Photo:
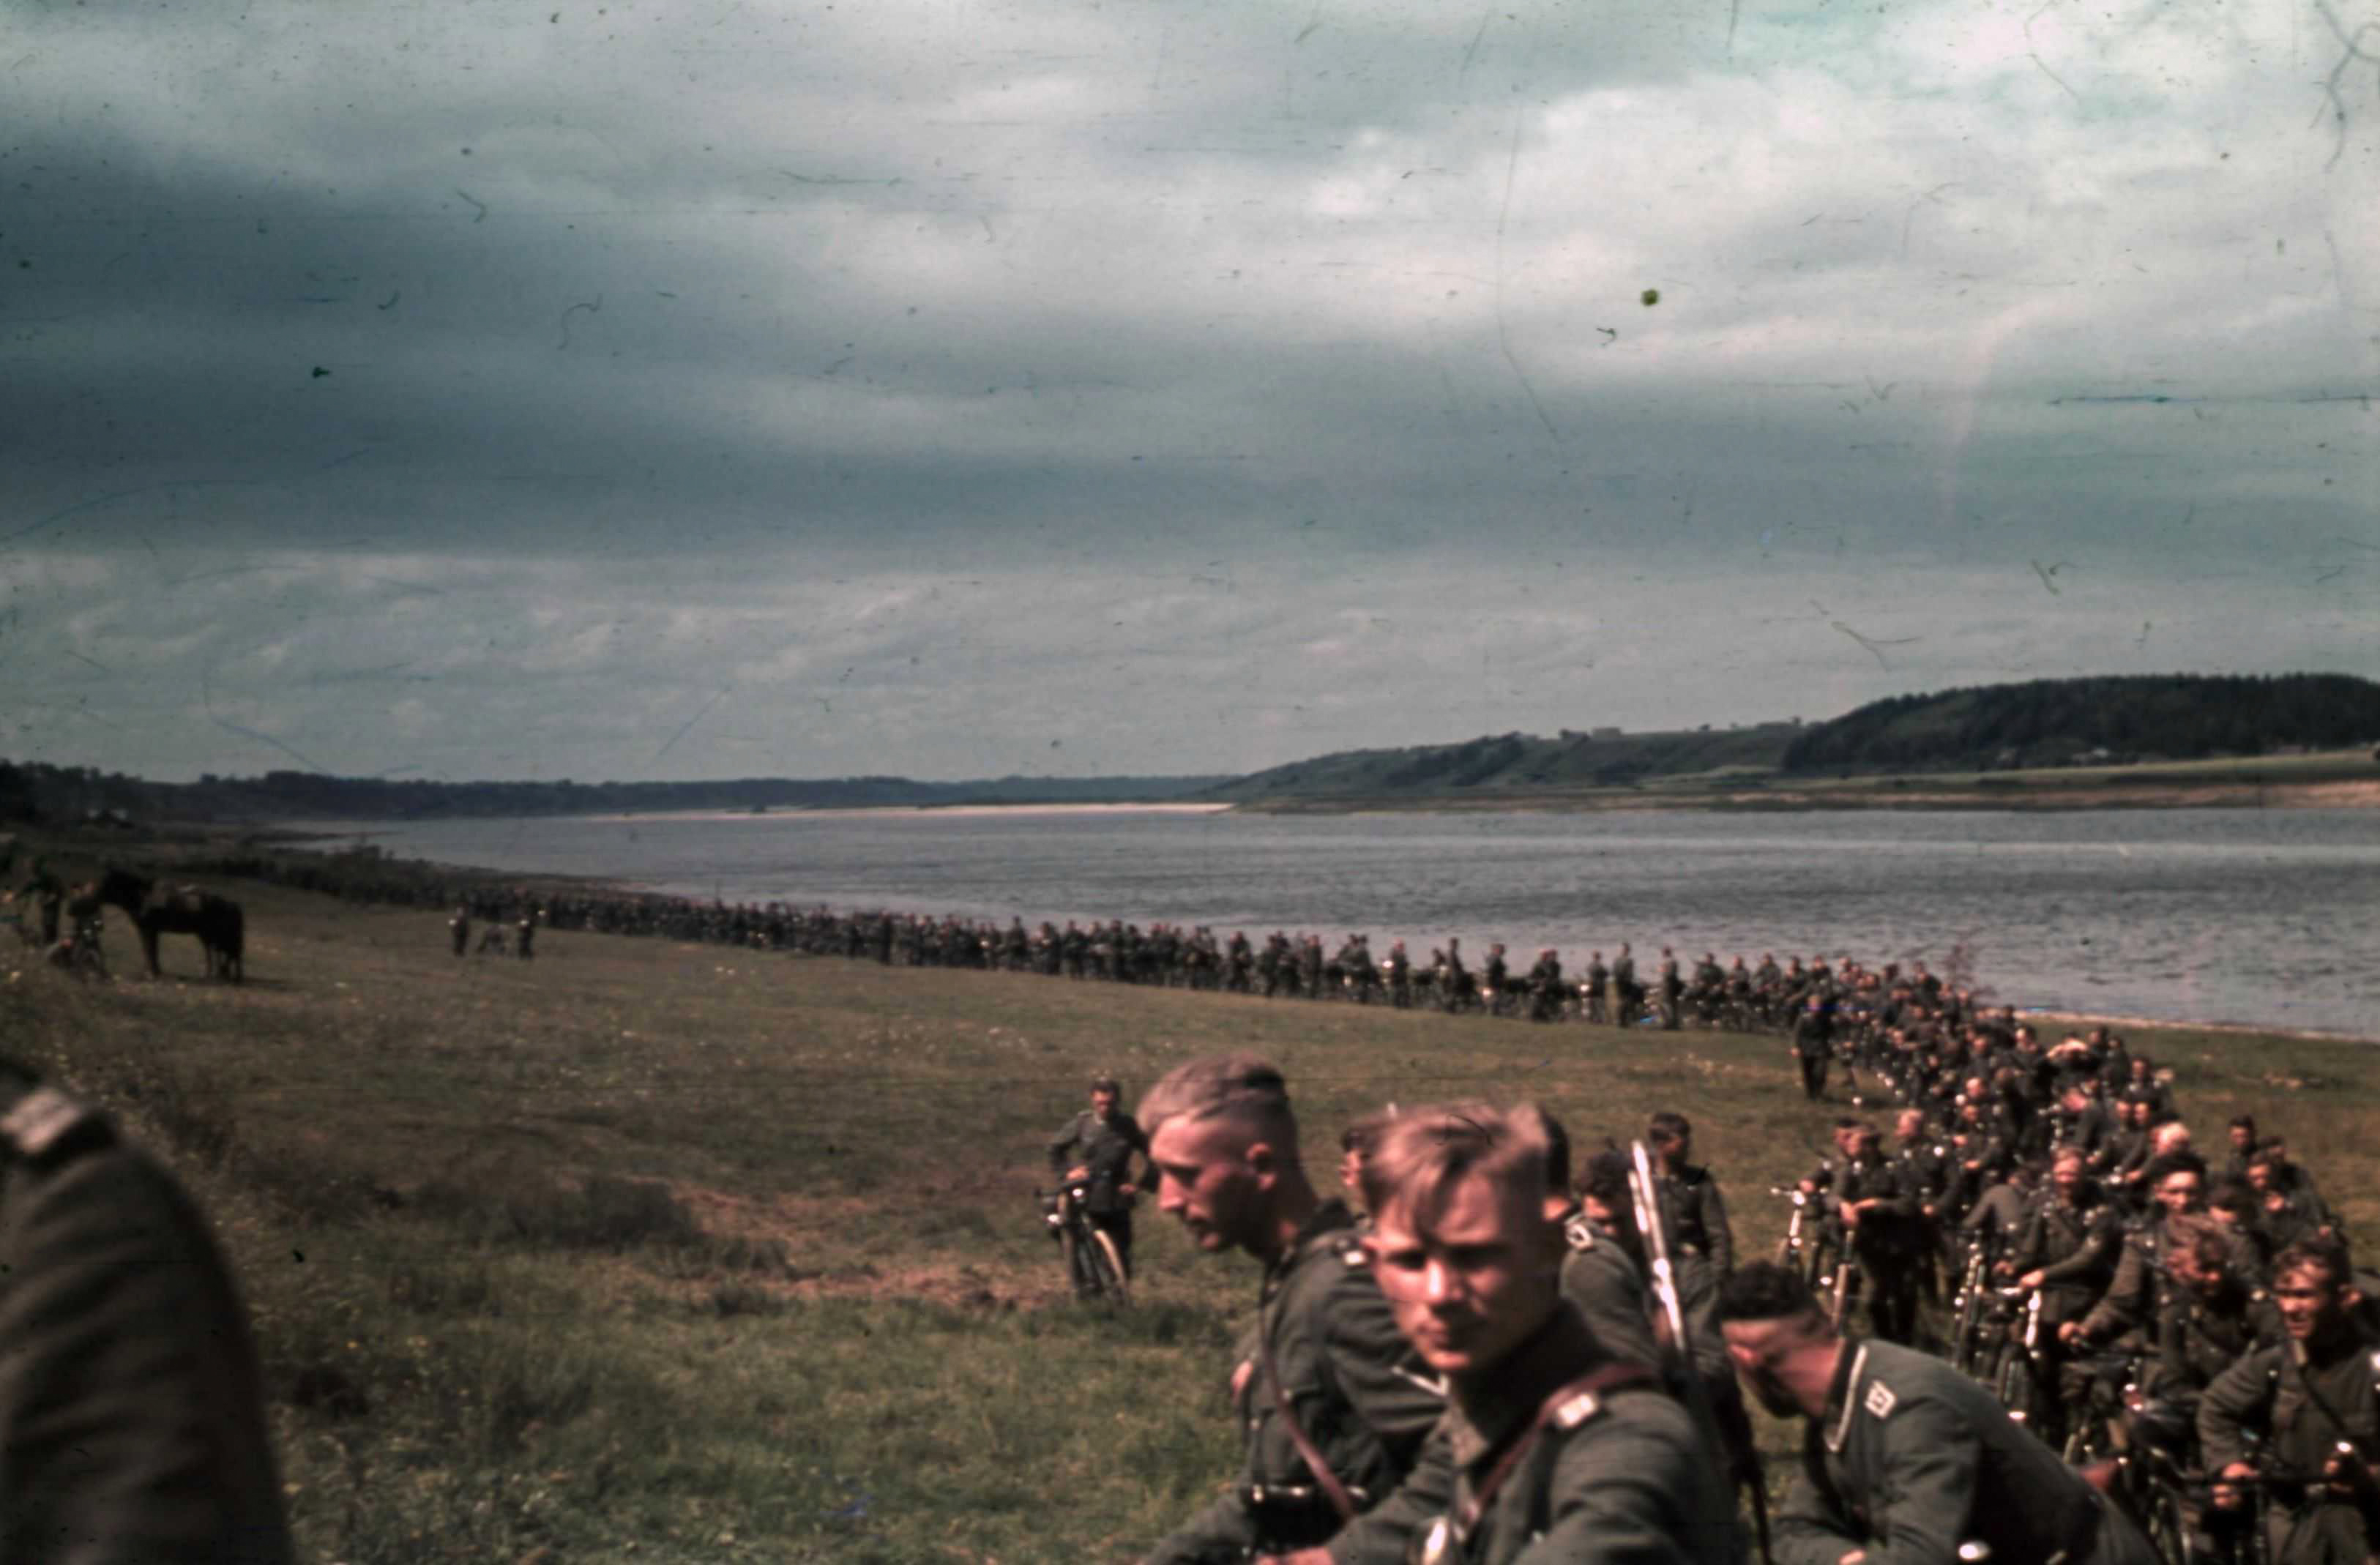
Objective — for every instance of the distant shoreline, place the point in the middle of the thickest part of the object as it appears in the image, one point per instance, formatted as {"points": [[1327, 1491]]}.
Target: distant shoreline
{"points": [[1893, 793]]}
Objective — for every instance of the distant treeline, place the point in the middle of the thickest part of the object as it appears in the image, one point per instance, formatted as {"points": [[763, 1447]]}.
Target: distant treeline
{"points": [[36, 791], [1522, 763], [2104, 720]]}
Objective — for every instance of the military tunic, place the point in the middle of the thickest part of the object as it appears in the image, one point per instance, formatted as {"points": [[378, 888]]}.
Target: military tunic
{"points": [[1692, 1206], [1614, 1475], [2307, 1404], [1604, 1285], [132, 1424], [2199, 1339], [1912, 1459], [1361, 1395], [1105, 1148]]}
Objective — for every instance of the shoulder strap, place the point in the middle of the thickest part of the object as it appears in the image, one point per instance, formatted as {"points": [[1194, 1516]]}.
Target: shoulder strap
{"points": [[40, 1123], [1340, 1500], [1570, 1405]]}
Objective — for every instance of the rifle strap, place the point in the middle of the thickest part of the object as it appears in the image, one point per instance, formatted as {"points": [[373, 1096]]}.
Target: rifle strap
{"points": [[1340, 1500], [1564, 1406]]}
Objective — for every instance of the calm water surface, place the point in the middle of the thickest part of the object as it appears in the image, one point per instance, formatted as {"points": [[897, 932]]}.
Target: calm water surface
{"points": [[2268, 918]]}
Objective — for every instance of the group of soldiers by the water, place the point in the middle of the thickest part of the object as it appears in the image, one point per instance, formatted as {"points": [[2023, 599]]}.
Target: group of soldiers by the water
{"points": [[2024, 1317], [1666, 992]]}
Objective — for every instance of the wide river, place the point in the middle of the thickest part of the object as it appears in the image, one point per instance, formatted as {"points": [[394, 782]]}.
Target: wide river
{"points": [[2265, 917]]}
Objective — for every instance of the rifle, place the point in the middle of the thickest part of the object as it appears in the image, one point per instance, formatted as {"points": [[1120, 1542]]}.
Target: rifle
{"points": [[1646, 1197]]}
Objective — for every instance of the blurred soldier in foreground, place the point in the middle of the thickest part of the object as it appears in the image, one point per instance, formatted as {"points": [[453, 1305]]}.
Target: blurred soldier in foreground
{"points": [[1336, 1404], [131, 1422], [1551, 1448], [1904, 1459]]}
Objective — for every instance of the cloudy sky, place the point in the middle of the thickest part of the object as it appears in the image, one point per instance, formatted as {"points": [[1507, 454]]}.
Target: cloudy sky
{"points": [[456, 388]]}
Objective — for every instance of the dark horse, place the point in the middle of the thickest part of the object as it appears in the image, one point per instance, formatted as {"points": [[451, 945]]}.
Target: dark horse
{"points": [[179, 910]]}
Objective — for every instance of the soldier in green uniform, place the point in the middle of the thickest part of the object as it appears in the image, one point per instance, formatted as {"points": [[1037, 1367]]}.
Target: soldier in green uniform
{"points": [[132, 1423], [1904, 1459], [1095, 1150], [2214, 1314], [1691, 1203], [1336, 1404], [1626, 994], [1601, 1275], [2136, 1299], [1814, 1045], [1551, 1450], [2316, 1400]]}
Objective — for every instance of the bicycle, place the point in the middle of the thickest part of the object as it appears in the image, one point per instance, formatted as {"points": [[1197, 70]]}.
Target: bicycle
{"points": [[2016, 1380], [1969, 1337], [1798, 1251], [1094, 1264]]}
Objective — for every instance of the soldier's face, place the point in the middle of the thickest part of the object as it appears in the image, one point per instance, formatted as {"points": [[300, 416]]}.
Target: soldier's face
{"points": [[2308, 1300], [2182, 1263], [1102, 1102], [1206, 1180], [1472, 1282], [1755, 1347], [2178, 1193]]}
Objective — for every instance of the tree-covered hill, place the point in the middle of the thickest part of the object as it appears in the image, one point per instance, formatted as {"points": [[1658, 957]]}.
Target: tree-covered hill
{"points": [[2109, 721], [1520, 763]]}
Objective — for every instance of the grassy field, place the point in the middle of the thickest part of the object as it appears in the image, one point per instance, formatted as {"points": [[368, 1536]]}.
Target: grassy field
{"points": [[649, 1251]]}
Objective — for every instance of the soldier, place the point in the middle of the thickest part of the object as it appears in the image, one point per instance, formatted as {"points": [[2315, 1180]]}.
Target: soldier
{"points": [[1691, 1204], [1602, 1271], [1814, 1046], [1545, 987], [1626, 994], [1495, 980], [1095, 1150], [2214, 1315], [1338, 1404], [2067, 1250], [132, 1421], [1592, 992], [1673, 992], [2135, 1299], [2287, 1208], [1904, 1459], [458, 929], [526, 934], [2315, 1400], [1551, 1449], [1883, 1226]]}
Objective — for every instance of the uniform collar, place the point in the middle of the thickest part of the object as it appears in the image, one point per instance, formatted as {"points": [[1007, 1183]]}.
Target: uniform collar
{"points": [[1319, 1232], [1840, 1397], [1484, 1412]]}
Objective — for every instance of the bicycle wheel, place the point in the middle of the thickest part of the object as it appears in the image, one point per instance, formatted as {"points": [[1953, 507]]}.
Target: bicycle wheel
{"points": [[1963, 1335], [1106, 1266], [2013, 1384], [2168, 1534]]}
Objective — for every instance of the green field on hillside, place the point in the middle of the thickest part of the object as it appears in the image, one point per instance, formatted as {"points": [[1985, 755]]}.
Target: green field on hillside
{"points": [[653, 1251]]}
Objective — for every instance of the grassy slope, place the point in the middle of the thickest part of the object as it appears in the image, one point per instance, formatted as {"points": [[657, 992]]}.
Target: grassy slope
{"points": [[486, 1340]]}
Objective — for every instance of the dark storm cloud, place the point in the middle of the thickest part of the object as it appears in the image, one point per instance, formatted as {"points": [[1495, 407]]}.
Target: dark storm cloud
{"points": [[472, 390]]}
